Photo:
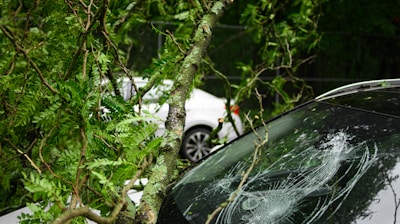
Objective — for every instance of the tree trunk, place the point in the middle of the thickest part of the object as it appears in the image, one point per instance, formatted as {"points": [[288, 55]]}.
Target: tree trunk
{"points": [[162, 172]]}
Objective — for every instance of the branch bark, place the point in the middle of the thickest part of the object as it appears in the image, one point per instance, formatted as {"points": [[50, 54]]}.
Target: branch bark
{"points": [[162, 172]]}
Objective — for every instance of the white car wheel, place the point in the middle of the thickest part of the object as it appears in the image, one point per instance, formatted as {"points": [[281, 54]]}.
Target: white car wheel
{"points": [[194, 144]]}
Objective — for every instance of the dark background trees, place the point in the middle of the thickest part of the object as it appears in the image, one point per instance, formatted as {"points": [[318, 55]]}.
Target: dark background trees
{"points": [[359, 41]]}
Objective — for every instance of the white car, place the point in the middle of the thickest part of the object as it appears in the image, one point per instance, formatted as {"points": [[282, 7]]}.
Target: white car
{"points": [[203, 111]]}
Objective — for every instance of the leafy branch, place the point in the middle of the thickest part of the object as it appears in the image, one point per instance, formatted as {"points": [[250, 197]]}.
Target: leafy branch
{"points": [[88, 213], [19, 48]]}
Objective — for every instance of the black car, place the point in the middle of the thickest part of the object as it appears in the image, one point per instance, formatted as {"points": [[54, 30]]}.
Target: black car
{"points": [[335, 159]]}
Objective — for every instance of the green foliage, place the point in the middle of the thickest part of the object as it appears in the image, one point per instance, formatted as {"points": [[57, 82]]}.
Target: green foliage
{"points": [[59, 149], [53, 139], [44, 189]]}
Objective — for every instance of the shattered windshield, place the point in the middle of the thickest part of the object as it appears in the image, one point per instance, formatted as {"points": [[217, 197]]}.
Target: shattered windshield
{"points": [[314, 162]]}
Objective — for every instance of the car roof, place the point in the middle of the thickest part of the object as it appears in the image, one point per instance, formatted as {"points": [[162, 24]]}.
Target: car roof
{"points": [[360, 86]]}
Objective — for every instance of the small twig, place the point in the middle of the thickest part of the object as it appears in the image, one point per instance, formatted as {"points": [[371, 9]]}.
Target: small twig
{"points": [[228, 95], [45, 163], [85, 50], [24, 154], [261, 112], [245, 176], [115, 48], [78, 181], [74, 11], [132, 181], [256, 158], [205, 5], [105, 142], [100, 14], [171, 35], [42, 143]]}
